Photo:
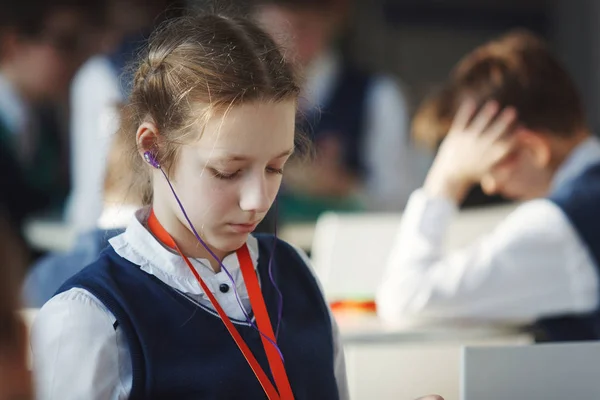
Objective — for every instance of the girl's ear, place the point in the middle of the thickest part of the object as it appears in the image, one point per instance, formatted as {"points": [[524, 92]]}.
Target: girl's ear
{"points": [[147, 138]]}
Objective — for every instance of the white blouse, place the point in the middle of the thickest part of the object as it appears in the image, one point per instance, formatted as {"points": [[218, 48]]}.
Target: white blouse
{"points": [[532, 265], [78, 354]]}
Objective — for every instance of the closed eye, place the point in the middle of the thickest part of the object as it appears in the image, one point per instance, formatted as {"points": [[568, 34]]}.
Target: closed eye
{"points": [[225, 175], [272, 170]]}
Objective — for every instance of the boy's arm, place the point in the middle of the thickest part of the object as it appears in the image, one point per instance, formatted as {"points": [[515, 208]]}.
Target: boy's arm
{"points": [[532, 265]]}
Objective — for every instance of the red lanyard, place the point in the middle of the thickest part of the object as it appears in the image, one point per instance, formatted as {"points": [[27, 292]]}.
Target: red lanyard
{"points": [[260, 311]]}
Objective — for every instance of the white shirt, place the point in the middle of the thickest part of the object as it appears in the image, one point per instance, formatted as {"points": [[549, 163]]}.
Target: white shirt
{"points": [[116, 216], [95, 95], [79, 355], [532, 265], [14, 112], [395, 166]]}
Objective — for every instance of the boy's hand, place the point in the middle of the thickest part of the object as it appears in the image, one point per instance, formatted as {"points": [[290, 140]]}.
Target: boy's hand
{"points": [[471, 149]]}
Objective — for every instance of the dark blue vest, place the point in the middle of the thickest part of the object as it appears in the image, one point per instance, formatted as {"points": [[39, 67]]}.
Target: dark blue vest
{"points": [[579, 199], [181, 350], [343, 116]]}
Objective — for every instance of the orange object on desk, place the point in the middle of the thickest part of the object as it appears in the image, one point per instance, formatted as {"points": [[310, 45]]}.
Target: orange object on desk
{"points": [[367, 306]]}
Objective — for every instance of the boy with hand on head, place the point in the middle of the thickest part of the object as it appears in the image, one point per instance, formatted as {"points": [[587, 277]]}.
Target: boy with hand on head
{"points": [[516, 125]]}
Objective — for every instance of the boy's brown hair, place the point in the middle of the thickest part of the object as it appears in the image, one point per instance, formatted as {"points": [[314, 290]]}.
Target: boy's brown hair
{"points": [[519, 70]]}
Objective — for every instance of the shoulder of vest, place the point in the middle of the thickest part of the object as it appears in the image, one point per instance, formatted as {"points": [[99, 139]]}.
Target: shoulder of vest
{"points": [[579, 184], [267, 241], [100, 269]]}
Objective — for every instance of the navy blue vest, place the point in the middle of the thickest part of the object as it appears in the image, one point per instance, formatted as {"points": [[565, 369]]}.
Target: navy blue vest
{"points": [[579, 199], [343, 116], [181, 350]]}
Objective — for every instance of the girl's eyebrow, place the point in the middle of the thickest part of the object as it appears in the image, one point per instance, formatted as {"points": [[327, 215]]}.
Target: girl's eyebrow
{"points": [[239, 157]]}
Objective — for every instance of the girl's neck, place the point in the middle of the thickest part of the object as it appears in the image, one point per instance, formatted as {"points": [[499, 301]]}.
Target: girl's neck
{"points": [[185, 238]]}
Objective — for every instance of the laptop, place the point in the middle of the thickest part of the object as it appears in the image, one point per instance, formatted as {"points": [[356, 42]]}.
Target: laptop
{"points": [[565, 371]]}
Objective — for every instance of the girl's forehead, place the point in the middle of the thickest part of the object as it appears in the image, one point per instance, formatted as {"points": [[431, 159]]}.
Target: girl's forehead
{"points": [[229, 148], [253, 128]]}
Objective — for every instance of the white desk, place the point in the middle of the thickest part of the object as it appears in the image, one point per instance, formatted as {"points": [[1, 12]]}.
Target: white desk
{"points": [[390, 363], [357, 329], [49, 234]]}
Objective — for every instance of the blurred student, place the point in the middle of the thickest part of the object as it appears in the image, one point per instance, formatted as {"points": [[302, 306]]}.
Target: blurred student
{"points": [[15, 378], [512, 121], [121, 199], [99, 86], [42, 43], [358, 121]]}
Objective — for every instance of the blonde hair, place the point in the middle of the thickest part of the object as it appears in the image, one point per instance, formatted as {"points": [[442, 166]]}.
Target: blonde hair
{"points": [[196, 67], [118, 177]]}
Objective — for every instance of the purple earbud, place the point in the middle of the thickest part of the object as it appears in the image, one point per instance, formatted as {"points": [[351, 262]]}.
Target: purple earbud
{"points": [[151, 159]]}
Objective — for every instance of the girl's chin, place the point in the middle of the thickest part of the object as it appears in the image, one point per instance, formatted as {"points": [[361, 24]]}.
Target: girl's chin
{"points": [[229, 243]]}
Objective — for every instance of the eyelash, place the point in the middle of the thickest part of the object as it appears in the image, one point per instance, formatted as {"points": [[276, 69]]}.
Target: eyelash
{"points": [[228, 177], [225, 177]]}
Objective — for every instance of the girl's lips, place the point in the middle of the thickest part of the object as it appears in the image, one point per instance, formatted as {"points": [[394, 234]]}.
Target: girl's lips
{"points": [[244, 228]]}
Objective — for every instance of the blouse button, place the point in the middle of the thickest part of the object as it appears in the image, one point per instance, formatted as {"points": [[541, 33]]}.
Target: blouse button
{"points": [[224, 288]]}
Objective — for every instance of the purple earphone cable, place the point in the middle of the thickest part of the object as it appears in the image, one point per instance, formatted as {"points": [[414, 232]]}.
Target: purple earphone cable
{"points": [[152, 161], [280, 302]]}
